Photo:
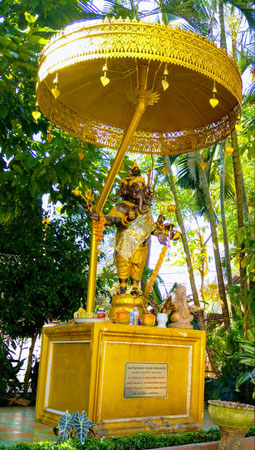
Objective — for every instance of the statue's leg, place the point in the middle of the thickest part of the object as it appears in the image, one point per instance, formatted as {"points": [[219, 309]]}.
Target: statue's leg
{"points": [[123, 272], [138, 261]]}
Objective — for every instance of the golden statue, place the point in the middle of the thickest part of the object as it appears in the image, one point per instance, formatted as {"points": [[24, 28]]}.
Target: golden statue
{"points": [[134, 222]]}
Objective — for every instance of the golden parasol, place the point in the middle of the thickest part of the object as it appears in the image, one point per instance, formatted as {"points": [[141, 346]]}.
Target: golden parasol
{"points": [[146, 87]]}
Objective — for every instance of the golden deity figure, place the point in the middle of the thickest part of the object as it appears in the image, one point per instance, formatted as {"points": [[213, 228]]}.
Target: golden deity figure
{"points": [[134, 222]]}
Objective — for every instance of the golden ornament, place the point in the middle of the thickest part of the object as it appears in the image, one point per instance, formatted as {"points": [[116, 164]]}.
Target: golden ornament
{"points": [[214, 102], [229, 150], [55, 92], [238, 127], [36, 115]]}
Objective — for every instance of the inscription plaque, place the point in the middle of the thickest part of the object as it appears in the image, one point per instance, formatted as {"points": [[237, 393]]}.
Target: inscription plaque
{"points": [[145, 380]]}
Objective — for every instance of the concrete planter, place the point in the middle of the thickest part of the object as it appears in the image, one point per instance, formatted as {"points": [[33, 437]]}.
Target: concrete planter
{"points": [[234, 421]]}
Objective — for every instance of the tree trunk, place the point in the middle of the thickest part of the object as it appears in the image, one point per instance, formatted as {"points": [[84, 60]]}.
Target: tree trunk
{"points": [[240, 221], [189, 263], [223, 297], [21, 348], [29, 363], [144, 282], [184, 241], [210, 354], [224, 225], [223, 43], [244, 199]]}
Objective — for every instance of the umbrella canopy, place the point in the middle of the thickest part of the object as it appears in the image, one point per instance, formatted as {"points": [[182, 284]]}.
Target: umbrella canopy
{"points": [[178, 119]]}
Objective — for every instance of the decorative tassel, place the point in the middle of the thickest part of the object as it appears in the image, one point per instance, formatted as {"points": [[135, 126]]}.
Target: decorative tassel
{"points": [[229, 148], [36, 114], [203, 163], [165, 170], [81, 154], [238, 125], [54, 90], [164, 81], [49, 135], [104, 79], [214, 101]]}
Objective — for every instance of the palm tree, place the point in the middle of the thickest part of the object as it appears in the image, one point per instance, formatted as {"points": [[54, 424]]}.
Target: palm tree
{"points": [[238, 177], [211, 216]]}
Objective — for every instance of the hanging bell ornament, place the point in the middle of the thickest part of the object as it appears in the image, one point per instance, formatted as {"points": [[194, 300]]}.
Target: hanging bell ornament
{"points": [[49, 135], [229, 148], [214, 101], [36, 114], [238, 125], [104, 79], [81, 154], [203, 163], [54, 90], [164, 81]]}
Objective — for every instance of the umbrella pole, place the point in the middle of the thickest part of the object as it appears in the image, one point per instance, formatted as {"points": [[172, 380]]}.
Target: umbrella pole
{"points": [[139, 110]]}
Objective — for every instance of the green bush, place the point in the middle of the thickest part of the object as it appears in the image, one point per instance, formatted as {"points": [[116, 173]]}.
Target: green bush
{"points": [[139, 441]]}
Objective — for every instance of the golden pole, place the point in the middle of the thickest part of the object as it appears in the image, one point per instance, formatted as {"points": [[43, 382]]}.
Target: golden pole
{"points": [[139, 110]]}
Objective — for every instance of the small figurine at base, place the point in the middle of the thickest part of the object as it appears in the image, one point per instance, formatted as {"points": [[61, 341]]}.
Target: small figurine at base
{"points": [[182, 312]]}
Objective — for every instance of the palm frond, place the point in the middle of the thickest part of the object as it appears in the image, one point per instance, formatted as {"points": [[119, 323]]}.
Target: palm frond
{"points": [[246, 8]]}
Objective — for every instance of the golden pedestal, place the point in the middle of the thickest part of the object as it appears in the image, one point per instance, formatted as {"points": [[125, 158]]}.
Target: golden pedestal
{"points": [[127, 378]]}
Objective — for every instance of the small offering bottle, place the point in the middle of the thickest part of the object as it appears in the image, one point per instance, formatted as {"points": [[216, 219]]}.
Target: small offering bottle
{"points": [[101, 314], [131, 318], [136, 315]]}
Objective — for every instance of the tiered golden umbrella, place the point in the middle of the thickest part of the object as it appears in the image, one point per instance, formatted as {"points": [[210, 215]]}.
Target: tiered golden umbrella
{"points": [[146, 87]]}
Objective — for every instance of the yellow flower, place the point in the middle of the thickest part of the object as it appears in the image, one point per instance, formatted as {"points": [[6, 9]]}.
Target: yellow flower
{"points": [[76, 192]]}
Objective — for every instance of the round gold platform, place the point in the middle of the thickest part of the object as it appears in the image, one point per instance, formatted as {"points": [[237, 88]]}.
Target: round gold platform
{"points": [[128, 302]]}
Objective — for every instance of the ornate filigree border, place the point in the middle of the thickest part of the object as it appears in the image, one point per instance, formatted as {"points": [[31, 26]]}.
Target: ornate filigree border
{"points": [[142, 142]]}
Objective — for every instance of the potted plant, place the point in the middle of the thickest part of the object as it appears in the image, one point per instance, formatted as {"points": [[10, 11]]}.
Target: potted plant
{"points": [[161, 308]]}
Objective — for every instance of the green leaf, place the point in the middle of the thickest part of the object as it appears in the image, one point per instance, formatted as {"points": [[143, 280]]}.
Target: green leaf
{"points": [[36, 39], [17, 169], [32, 162], [21, 156], [240, 235], [65, 425], [3, 111], [14, 54], [82, 425], [29, 18]]}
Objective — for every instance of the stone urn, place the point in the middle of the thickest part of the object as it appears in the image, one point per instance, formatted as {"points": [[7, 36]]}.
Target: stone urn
{"points": [[162, 319], [234, 421]]}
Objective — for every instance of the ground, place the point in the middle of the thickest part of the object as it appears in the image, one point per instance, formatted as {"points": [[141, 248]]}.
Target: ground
{"points": [[17, 424]]}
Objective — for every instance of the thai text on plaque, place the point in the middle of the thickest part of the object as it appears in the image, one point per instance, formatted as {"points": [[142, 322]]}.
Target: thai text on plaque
{"points": [[145, 380]]}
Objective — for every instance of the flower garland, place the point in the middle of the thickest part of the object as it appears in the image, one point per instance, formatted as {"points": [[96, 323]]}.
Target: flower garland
{"points": [[99, 230], [155, 271]]}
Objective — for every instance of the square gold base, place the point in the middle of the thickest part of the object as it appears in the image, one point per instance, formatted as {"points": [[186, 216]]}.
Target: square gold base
{"points": [[127, 378]]}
